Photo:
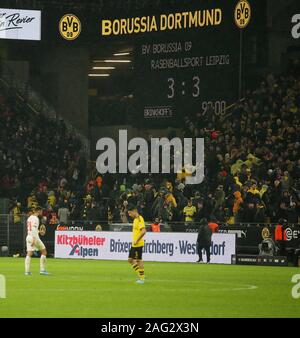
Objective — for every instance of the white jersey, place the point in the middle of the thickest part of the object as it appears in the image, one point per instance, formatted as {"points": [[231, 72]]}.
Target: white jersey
{"points": [[33, 226]]}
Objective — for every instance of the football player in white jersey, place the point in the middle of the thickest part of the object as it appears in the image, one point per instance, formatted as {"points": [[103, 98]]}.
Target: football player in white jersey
{"points": [[34, 242]]}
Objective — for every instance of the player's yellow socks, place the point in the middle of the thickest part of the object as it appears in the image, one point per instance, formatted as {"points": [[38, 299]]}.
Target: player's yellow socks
{"points": [[142, 274], [136, 268]]}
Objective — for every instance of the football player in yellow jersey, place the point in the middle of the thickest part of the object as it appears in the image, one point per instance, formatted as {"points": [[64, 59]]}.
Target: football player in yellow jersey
{"points": [[136, 251]]}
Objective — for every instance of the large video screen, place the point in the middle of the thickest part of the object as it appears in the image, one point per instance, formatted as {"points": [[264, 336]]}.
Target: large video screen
{"points": [[168, 63]]}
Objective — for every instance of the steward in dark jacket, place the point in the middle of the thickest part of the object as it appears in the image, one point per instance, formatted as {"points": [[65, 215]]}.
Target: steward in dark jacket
{"points": [[204, 240]]}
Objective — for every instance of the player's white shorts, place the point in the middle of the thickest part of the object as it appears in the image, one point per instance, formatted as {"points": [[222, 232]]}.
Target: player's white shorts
{"points": [[38, 244]]}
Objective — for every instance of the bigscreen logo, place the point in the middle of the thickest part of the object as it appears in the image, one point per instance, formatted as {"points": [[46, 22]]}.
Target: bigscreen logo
{"points": [[69, 27], [242, 14]]}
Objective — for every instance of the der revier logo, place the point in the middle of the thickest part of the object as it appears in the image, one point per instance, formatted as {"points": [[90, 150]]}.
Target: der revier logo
{"points": [[242, 14], [69, 27]]}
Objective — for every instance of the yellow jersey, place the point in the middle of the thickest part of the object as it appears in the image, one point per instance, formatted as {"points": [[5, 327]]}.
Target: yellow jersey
{"points": [[189, 213], [138, 225]]}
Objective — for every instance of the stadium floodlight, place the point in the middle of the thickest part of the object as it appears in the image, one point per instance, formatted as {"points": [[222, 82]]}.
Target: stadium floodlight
{"points": [[104, 68], [113, 61], [99, 75], [122, 54], [117, 61]]}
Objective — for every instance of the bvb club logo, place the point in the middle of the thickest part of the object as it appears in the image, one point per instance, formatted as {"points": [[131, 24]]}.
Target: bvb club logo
{"points": [[265, 233], [242, 13], [69, 27]]}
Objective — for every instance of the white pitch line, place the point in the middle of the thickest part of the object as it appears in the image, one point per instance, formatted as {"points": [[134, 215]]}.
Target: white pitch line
{"points": [[239, 287], [247, 287], [242, 286]]}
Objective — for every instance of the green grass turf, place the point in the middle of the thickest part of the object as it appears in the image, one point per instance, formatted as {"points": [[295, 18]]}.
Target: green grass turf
{"points": [[103, 289]]}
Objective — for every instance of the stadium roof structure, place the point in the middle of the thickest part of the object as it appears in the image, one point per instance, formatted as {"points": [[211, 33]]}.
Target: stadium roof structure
{"points": [[95, 5]]}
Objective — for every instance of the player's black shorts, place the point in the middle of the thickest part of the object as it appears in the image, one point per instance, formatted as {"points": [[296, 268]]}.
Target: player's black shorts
{"points": [[136, 253]]}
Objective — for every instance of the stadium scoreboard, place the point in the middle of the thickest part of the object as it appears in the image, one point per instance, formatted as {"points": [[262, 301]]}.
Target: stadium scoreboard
{"points": [[185, 60], [190, 66]]}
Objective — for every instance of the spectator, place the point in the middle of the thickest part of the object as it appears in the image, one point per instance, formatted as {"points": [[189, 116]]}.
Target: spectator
{"points": [[189, 212], [200, 212], [288, 207], [17, 213], [280, 236], [53, 218], [155, 226], [237, 204], [158, 205], [209, 205], [170, 199], [213, 224], [124, 212], [94, 213], [51, 199], [179, 196], [166, 213], [248, 213], [219, 197], [86, 209], [64, 214], [32, 201]]}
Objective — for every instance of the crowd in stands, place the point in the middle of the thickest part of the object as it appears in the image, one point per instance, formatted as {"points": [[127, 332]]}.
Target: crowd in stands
{"points": [[252, 166], [253, 156], [40, 161]]}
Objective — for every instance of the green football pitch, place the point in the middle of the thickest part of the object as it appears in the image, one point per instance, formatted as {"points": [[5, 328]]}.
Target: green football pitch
{"points": [[104, 289]]}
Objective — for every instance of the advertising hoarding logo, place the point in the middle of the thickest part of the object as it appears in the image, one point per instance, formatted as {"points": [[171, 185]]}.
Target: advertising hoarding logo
{"points": [[242, 14], [159, 247], [69, 228], [70, 27], [20, 24], [292, 234], [84, 252], [83, 245]]}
